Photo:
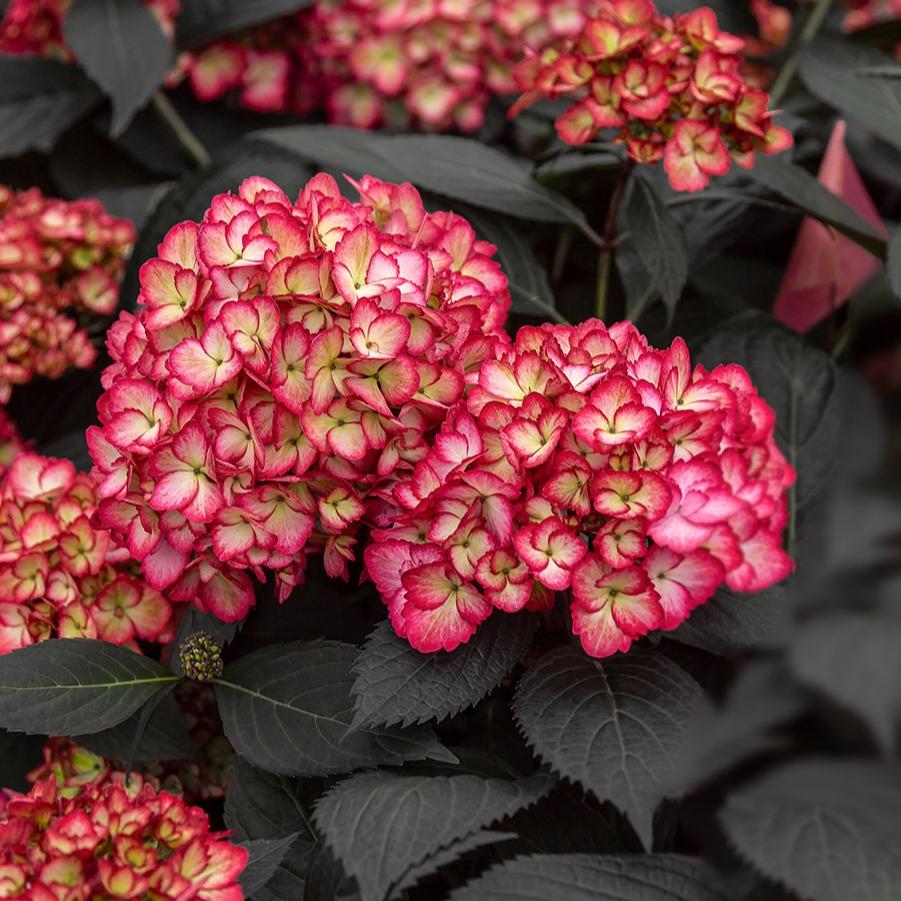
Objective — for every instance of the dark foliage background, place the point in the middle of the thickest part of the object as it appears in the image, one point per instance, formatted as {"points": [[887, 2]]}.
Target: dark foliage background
{"points": [[753, 753]]}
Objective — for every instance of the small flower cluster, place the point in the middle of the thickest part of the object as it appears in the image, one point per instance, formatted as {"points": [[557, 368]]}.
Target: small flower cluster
{"points": [[57, 259], [370, 62], [195, 780], [84, 832], [863, 13], [60, 576], [671, 87], [587, 460], [286, 361], [36, 26]]}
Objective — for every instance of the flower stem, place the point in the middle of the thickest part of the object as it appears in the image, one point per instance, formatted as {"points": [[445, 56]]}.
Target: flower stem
{"points": [[605, 260], [190, 143], [809, 31]]}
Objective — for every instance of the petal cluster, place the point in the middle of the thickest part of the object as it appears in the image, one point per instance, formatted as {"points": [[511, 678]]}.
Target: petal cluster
{"points": [[586, 460], [286, 365], [60, 575], [432, 64], [58, 259], [90, 834], [671, 89]]}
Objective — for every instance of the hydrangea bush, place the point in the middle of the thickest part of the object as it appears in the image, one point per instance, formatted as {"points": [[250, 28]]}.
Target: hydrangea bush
{"points": [[497, 499], [60, 263]]}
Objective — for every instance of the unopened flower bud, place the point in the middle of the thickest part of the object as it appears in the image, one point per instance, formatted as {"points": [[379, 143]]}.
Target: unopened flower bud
{"points": [[201, 657]]}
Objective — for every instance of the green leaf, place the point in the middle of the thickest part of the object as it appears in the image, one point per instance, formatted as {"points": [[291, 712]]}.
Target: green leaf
{"points": [[166, 737], [894, 261], [611, 725], [40, 99], [266, 858], [396, 684], [460, 168], [201, 20], [190, 196], [121, 45], [730, 623], [326, 879], [826, 829], [384, 829], [763, 697], [76, 685], [287, 709], [262, 807], [799, 382], [658, 241], [802, 189], [869, 680], [830, 69], [595, 877]]}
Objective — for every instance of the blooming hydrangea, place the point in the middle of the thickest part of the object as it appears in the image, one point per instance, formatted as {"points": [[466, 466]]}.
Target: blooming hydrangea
{"points": [[88, 833], [60, 576], [670, 87], [584, 459], [36, 26], [433, 64], [58, 259], [286, 361]]}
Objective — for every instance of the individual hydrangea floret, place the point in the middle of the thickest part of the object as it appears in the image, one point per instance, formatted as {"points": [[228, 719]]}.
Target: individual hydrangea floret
{"points": [[90, 833], [586, 461], [670, 89], [286, 365], [61, 575], [58, 260]]}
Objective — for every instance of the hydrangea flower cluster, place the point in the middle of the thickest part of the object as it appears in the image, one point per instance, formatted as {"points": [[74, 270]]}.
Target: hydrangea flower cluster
{"points": [[286, 361], [586, 460], [58, 259], [370, 62], [671, 88], [91, 834], [36, 26], [60, 576]]}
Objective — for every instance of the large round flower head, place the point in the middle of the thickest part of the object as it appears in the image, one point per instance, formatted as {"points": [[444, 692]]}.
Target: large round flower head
{"points": [[585, 459], [286, 360], [58, 259], [670, 87], [60, 575], [370, 62], [84, 831]]}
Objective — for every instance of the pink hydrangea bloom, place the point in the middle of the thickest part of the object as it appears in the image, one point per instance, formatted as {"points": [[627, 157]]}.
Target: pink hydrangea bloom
{"points": [[672, 89], [586, 460], [286, 365], [431, 64], [57, 259], [104, 835], [60, 575], [36, 26]]}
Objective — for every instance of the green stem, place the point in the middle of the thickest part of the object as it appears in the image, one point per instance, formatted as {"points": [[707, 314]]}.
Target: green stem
{"points": [[190, 143], [809, 31], [605, 260]]}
